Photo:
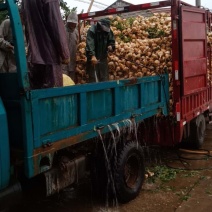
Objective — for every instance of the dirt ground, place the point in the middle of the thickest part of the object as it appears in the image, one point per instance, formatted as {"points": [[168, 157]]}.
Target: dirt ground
{"points": [[171, 183]]}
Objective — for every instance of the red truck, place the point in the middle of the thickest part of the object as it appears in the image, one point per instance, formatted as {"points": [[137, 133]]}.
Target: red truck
{"points": [[191, 64]]}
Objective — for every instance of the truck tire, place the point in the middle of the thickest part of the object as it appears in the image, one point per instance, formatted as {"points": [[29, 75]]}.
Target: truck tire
{"points": [[198, 127], [129, 172]]}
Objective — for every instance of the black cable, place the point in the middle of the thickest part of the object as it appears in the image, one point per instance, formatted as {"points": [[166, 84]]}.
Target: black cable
{"points": [[185, 161]]}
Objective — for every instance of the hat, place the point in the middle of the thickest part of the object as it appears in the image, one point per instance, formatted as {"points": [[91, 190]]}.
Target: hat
{"points": [[105, 24], [72, 17]]}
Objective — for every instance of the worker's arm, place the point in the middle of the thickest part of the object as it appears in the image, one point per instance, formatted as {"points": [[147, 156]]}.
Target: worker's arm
{"points": [[4, 31]]}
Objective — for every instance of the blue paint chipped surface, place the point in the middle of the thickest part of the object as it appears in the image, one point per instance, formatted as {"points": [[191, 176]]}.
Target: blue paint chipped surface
{"points": [[61, 113]]}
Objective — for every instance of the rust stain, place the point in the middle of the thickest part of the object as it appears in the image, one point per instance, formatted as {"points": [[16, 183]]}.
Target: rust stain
{"points": [[132, 81], [61, 144]]}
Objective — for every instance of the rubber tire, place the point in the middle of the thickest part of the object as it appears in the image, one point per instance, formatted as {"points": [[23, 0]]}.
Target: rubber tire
{"points": [[197, 130], [130, 151]]}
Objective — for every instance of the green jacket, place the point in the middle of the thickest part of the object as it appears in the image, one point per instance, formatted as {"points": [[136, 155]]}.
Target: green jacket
{"points": [[97, 42]]}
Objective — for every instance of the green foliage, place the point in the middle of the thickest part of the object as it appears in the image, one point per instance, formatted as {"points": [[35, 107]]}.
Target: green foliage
{"points": [[208, 191], [3, 14], [124, 38], [191, 174], [66, 9], [155, 33], [130, 21], [119, 26], [164, 173], [74, 9], [185, 197]]}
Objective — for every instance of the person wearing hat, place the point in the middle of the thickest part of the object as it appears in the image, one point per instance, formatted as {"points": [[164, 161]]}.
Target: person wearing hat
{"points": [[99, 41], [73, 39]]}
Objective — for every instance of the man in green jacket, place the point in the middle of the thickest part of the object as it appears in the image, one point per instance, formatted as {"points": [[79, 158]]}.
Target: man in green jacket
{"points": [[100, 40]]}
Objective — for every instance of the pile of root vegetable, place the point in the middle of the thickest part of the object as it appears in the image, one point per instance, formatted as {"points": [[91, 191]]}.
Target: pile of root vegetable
{"points": [[143, 48], [209, 61]]}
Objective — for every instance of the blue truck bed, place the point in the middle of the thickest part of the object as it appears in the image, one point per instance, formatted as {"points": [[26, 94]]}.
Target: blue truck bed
{"points": [[60, 117], [69, 111], [42, 123], [56, 118]]}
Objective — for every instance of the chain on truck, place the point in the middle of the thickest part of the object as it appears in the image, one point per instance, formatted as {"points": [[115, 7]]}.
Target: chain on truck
{"points": [[64, 134]]}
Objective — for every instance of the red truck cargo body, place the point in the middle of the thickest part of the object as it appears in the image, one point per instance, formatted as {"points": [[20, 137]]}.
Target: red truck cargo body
{"points": [[192, 92], [193, 50], [191, 57]]}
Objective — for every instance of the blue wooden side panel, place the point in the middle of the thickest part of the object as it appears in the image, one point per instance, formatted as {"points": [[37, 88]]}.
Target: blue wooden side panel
{"points": [[99, 104], [153, 94], [59, 105], [129, 97], [60, 113]]}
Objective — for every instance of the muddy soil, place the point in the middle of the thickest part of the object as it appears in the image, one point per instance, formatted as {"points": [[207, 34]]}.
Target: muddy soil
{"points": [[171, 177]]}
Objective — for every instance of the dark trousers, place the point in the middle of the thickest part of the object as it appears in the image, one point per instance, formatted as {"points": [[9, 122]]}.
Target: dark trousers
{"points": [[99, 72], [45, 76]]}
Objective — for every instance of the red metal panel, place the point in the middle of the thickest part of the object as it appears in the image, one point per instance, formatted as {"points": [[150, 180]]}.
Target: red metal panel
{"points": [[194, 51], [194, 104], [195, 68], [175, 52], [125, 9]]}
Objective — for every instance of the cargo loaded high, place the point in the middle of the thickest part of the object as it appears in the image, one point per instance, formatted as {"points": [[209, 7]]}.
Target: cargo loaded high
{"points": [[159, 92], [167, 37]]}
